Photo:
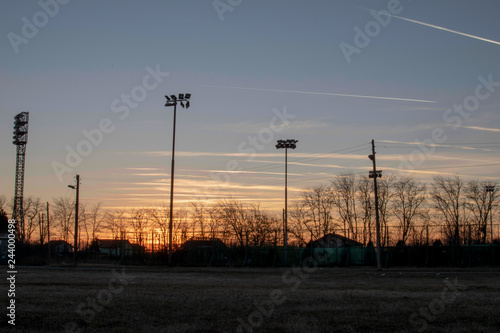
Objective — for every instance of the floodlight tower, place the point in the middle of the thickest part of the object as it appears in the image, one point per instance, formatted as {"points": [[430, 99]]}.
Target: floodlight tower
{"points": [[20, 139], [286, 144], [172, 101]]}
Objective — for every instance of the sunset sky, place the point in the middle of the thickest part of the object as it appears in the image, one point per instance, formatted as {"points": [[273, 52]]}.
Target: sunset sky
{"points": [[330, 74]]}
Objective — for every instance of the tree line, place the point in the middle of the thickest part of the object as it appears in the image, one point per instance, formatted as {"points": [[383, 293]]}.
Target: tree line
{"points": [[449, 208], [455, 210]]}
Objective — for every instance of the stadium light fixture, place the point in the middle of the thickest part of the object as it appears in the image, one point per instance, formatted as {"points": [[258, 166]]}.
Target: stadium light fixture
{"points": [[286, 144], [172, 101]]}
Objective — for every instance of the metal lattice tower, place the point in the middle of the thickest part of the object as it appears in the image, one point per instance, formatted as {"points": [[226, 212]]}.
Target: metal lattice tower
{"points": [[20, 140]]}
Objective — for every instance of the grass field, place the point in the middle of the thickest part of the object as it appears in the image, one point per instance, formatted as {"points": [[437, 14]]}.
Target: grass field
{"points": [[132, 299]]}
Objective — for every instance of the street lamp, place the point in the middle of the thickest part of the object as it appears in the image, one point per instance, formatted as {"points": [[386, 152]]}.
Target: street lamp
{"points": [[172, 101], [286, 144], [490, 189], [77, 188]]}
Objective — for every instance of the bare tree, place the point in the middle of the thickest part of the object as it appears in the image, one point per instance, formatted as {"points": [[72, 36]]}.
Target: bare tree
{"points": [[198, 216], [298, 222], [161, 217], [116, 223], [95, 219], [232, 214], [344, 196], [385, 196], [260, 226], [408, 205], [312, 214], [448, 198], [140, 222], [480, 204], [180, 224], [366, 205], [32, 208], [63, 214], [214, 223]]}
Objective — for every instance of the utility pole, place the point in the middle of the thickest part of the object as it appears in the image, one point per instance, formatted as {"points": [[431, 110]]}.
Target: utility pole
{"points": [[48, 230], [75, 243], [376, 174], [490, 189]]}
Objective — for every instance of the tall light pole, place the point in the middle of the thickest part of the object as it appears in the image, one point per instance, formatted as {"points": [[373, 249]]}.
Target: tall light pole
{"points": [[21, 121], [490, 189], [376, 174], [77, 188], [172, 100], [286, 144]]}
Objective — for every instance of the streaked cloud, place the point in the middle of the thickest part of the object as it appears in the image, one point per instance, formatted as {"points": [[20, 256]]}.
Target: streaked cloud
{"points": [[482, 128]]}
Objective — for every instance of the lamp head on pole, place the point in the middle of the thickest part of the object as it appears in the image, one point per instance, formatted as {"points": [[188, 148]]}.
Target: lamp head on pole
{"points": [[289, 143], [182, 98]]}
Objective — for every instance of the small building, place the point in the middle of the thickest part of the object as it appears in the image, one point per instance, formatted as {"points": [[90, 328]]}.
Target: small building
{"points": [[201, 251], [116, 247], [59, 248], [333, 240]]}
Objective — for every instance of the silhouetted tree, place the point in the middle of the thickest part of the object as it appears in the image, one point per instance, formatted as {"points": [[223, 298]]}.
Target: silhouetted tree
{"points": [[198, 216], [449, 200], [32, 208], [367, 207], [116, 223], [161, 218], [344, 196], [408, 204], [385, 196], [63, 215], [480, 204]]}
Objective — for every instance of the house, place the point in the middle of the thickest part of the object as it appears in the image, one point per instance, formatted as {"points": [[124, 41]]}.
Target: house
{"points": [[201, 251], [116, 247], [59, 248], [333, 240]]}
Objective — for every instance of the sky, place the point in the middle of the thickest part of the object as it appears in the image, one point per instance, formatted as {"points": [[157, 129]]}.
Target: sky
{"points": [[420, 78]]}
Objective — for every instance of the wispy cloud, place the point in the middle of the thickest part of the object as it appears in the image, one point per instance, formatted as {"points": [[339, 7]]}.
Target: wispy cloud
{"points": [[482, 128], [436, 145]]}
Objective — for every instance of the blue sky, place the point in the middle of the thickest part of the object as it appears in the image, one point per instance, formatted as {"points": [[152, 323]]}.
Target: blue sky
{"points": [[91, 53]]}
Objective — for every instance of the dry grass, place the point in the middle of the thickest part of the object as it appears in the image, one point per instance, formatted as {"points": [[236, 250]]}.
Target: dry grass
{"points": [[218, 299]]}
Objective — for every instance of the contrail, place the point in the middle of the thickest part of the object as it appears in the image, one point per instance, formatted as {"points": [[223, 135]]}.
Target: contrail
{"points": [[327, 94], [446, 29], [434, 26]]}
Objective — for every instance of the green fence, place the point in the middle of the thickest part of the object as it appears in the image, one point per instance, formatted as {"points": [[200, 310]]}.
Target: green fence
{"points": [[424, 256]]}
